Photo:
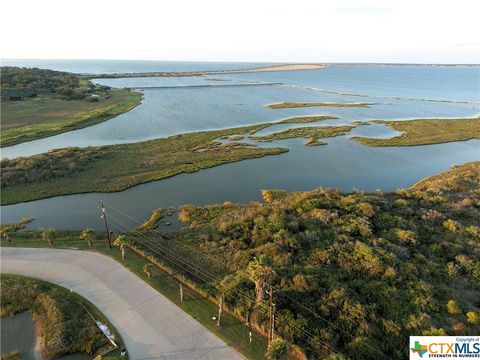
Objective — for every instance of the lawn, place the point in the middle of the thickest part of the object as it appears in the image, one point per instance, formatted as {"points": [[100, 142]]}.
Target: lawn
{"points": [[48, 115]]}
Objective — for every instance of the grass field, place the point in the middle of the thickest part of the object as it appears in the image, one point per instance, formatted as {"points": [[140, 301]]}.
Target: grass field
{"points": [[427, 131], [232, 331], [118, 167], [46, 116], [291, 104]]}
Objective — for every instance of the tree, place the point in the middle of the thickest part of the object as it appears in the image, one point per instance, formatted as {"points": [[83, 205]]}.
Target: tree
{"points": [[473, 318], [406, 237], [88, 235], [260, 272], [48, 235], [122, 243], [147, 269], [453, 307], [277, 350]]}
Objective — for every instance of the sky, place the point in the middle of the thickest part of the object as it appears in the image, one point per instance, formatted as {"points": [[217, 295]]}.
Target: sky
{"points": [[398, 31]]}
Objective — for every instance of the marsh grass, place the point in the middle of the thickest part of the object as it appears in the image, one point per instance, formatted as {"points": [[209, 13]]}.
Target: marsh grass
{"points": [[426, 132], [118, 167], [62, 317], [312, 134]]}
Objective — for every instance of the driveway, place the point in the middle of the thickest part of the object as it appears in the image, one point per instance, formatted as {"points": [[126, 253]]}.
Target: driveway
{"points": [[151, 326]]}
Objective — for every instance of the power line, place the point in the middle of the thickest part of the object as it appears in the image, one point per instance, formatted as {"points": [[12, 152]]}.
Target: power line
{"points": [[307, 337], [279, 292], [332, 324], [169, 238]]}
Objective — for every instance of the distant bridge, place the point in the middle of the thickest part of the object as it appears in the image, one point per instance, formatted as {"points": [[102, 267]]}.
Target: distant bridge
{"points": [[142, 88]]}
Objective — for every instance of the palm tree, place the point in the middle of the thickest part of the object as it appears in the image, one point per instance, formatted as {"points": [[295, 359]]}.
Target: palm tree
{"points": [[147, 269], [122, 242], [260, 272], [89, 236], [5, 233], [48, 235]]}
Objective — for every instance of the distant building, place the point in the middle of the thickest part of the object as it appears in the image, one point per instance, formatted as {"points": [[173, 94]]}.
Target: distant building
{"points": [[31, 93], [15, 97]]}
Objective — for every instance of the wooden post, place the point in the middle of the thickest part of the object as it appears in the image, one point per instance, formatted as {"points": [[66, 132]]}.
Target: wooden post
{"points": [[273, 322], [270, 315], [104, 217], [181, 293], [220, 310]]}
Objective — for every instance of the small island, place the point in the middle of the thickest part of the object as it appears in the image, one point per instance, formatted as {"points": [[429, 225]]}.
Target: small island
{"points": [[312, 134], [291, 104], [426, 132]]}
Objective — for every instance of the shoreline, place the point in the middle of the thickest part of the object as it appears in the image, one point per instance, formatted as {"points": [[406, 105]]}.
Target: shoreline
{"points": [[285, 67], [124, 166], [95, 119]]}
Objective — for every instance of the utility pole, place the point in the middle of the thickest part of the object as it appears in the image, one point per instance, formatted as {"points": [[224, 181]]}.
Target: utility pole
{"points": [[220, 310], [104, 217], [181, 293], [270, 315], [273, 322]]}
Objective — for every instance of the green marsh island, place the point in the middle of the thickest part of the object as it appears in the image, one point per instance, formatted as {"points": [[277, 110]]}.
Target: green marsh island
{"points": [[114, 168], [290, 104], [426, 132]]}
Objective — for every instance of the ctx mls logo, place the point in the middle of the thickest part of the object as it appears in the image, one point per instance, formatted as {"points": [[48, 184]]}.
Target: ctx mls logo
{"points": [[456, 347], [419, 349]]}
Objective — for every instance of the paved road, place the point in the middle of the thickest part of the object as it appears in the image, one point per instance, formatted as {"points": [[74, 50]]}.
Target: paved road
{"points": [[150, 325]]}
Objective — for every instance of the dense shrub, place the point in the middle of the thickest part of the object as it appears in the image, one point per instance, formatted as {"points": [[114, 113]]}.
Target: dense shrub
{"points": [[368, 264]]}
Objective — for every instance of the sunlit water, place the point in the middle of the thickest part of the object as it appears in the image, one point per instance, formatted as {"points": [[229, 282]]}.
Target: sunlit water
{"points": [[396, 92]]}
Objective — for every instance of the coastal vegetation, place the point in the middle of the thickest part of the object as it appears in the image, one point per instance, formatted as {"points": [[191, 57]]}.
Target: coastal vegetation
{"points": [[312, 134], [291, 104], [118, 167], [306, 119], [49, 102], [350, 268], [152, 223], [64, 320], [352, 274], [426, 132]]}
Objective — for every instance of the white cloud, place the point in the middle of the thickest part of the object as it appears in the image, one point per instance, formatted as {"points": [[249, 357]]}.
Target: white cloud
{"points": [[268, 30]]}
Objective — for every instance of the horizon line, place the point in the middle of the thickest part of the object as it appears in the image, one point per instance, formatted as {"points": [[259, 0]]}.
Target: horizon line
{"points": [[258, 62]]}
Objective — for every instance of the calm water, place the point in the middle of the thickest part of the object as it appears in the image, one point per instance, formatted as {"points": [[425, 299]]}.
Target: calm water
{"points": [[121, 66], [398, 92]]}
